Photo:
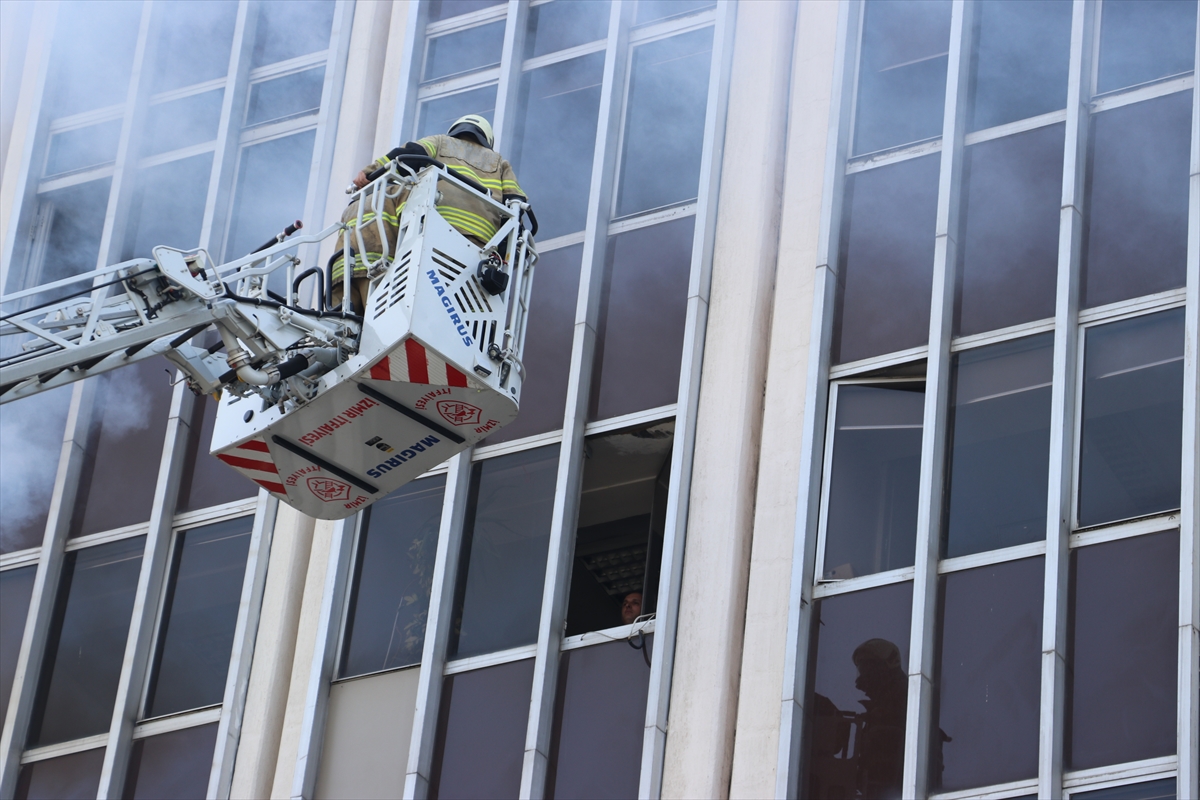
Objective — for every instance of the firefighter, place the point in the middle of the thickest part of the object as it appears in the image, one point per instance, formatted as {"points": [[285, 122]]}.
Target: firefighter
{"points": [[467, 150]]}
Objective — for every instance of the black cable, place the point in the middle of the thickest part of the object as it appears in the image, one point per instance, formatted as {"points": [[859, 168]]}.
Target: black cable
{"points": [[80, 293]]}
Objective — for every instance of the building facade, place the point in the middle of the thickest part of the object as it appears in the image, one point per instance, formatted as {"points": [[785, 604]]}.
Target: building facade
{"points": [[863, 345]]}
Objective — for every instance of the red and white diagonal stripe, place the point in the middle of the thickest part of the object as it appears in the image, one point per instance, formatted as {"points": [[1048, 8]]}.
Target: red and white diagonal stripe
{"points": [[253, 459], [412, 363]]}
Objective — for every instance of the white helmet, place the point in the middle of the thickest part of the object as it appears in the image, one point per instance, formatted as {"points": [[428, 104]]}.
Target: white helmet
{"points": [[475, 125]]}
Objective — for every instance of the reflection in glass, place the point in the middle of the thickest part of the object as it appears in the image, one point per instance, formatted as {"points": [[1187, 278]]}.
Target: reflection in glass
{"points": [[193, 43], [1020, 66], [999, 446], [463, 51], [559, 25], [72, 777], [292, 29], [557, 134], [871, 521], [80, 148], [668, 81], [1142, 40], [1009, 253], [654, 10], [857, 694], [171, 765], [1135, 241], [988, 689], [195, 638], [1132, 418], [31, 440], [1147, 790], [1122, 640], [436, 116], [599, 715], [182, 123], [622, 512], [16, 585], [886, 272], [393, 576], [282, 98], [643, 300], [547, 351], [86, 643], [206, 481], [902, 74], [503, 560], [168, 206], [481, 733], [92, 57]]}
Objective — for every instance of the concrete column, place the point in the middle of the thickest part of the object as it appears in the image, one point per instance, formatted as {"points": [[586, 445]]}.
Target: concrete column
{"points": [[708, 654]]}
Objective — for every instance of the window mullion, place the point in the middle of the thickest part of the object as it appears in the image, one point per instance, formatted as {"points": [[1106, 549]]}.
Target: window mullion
{"points": [[404, 116], [508, 90]]}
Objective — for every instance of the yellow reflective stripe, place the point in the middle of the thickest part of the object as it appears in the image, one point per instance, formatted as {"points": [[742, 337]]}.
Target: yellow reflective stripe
{"points": [[369, 216], [512, 187], [359, 268], [468, 222], [468, 226], [382, 161], [430, 147]]}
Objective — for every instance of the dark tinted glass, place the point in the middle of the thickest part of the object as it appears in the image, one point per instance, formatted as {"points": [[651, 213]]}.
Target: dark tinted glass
{"points": [[654, 10], [16, 585], [171, 766], [557, 135], [503, 562], [291, 29], [1020, 67], [444, 9], [559, 25], [599, 716], [206, 481], [1137, 200], [902, 73], [194, 40], [83, 147], [1132, 418], [1009, 252], [125, 441], [669, 81], [290, 96], [999, 446], [857, 694], [481, 733], [643, 300], [548, 341], [31, 439], [464, 51], [985, 725], [92, 58], [1141, 40], [393, 576], [86, 645], [438, 115], [1122, 616], [182, 123], [168, 208], [204, 590], [73, 777], [1149, 790], [886, 273], [622, 510], [871, 523], [76, 215]]}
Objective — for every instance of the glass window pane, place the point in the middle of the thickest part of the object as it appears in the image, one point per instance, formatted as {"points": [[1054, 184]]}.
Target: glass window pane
{"points": [[94, 45], [654, 10], [871, 522], [445, 9], [1020, 67], [463, 51], [31, 440], [75, 215], [1132, 418], [599, 716], [393, 576], [999, 446], [559, 25], [902, 73], [857, 694], [1123, 630], [182, 123], [988, 690], [193, 43], [171, 766], [619, 538], [481, 733], [73, 777], [644, 299], [1137, 200], [503, 560], [81, 148], [206, 481], [204, 591], [292, 29], [886, 273], [168, 206], [16, 585], [557, 136], [1147, 790], [86, 644], [125, 442], [548, 342], [668, 82], [1142, 40], [438, 115], [1009, 253], [282, 98]]}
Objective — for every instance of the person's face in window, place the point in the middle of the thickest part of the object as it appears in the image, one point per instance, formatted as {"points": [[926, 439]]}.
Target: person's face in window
{"points": [[631, 608]]}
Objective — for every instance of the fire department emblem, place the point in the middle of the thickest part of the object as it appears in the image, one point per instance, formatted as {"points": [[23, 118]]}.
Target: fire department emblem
{"points": [[328, 489], [457, 412]]}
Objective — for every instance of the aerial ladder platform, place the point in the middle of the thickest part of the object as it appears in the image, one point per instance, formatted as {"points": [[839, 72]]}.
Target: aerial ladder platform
{"points": [[327, 410]]}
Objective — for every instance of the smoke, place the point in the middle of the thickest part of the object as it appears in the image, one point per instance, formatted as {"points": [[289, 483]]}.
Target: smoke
{"points": [[31, 435]]}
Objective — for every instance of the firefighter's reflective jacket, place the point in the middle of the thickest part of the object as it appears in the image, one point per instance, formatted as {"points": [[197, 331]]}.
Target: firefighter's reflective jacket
{"points": [[474, 218]]}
